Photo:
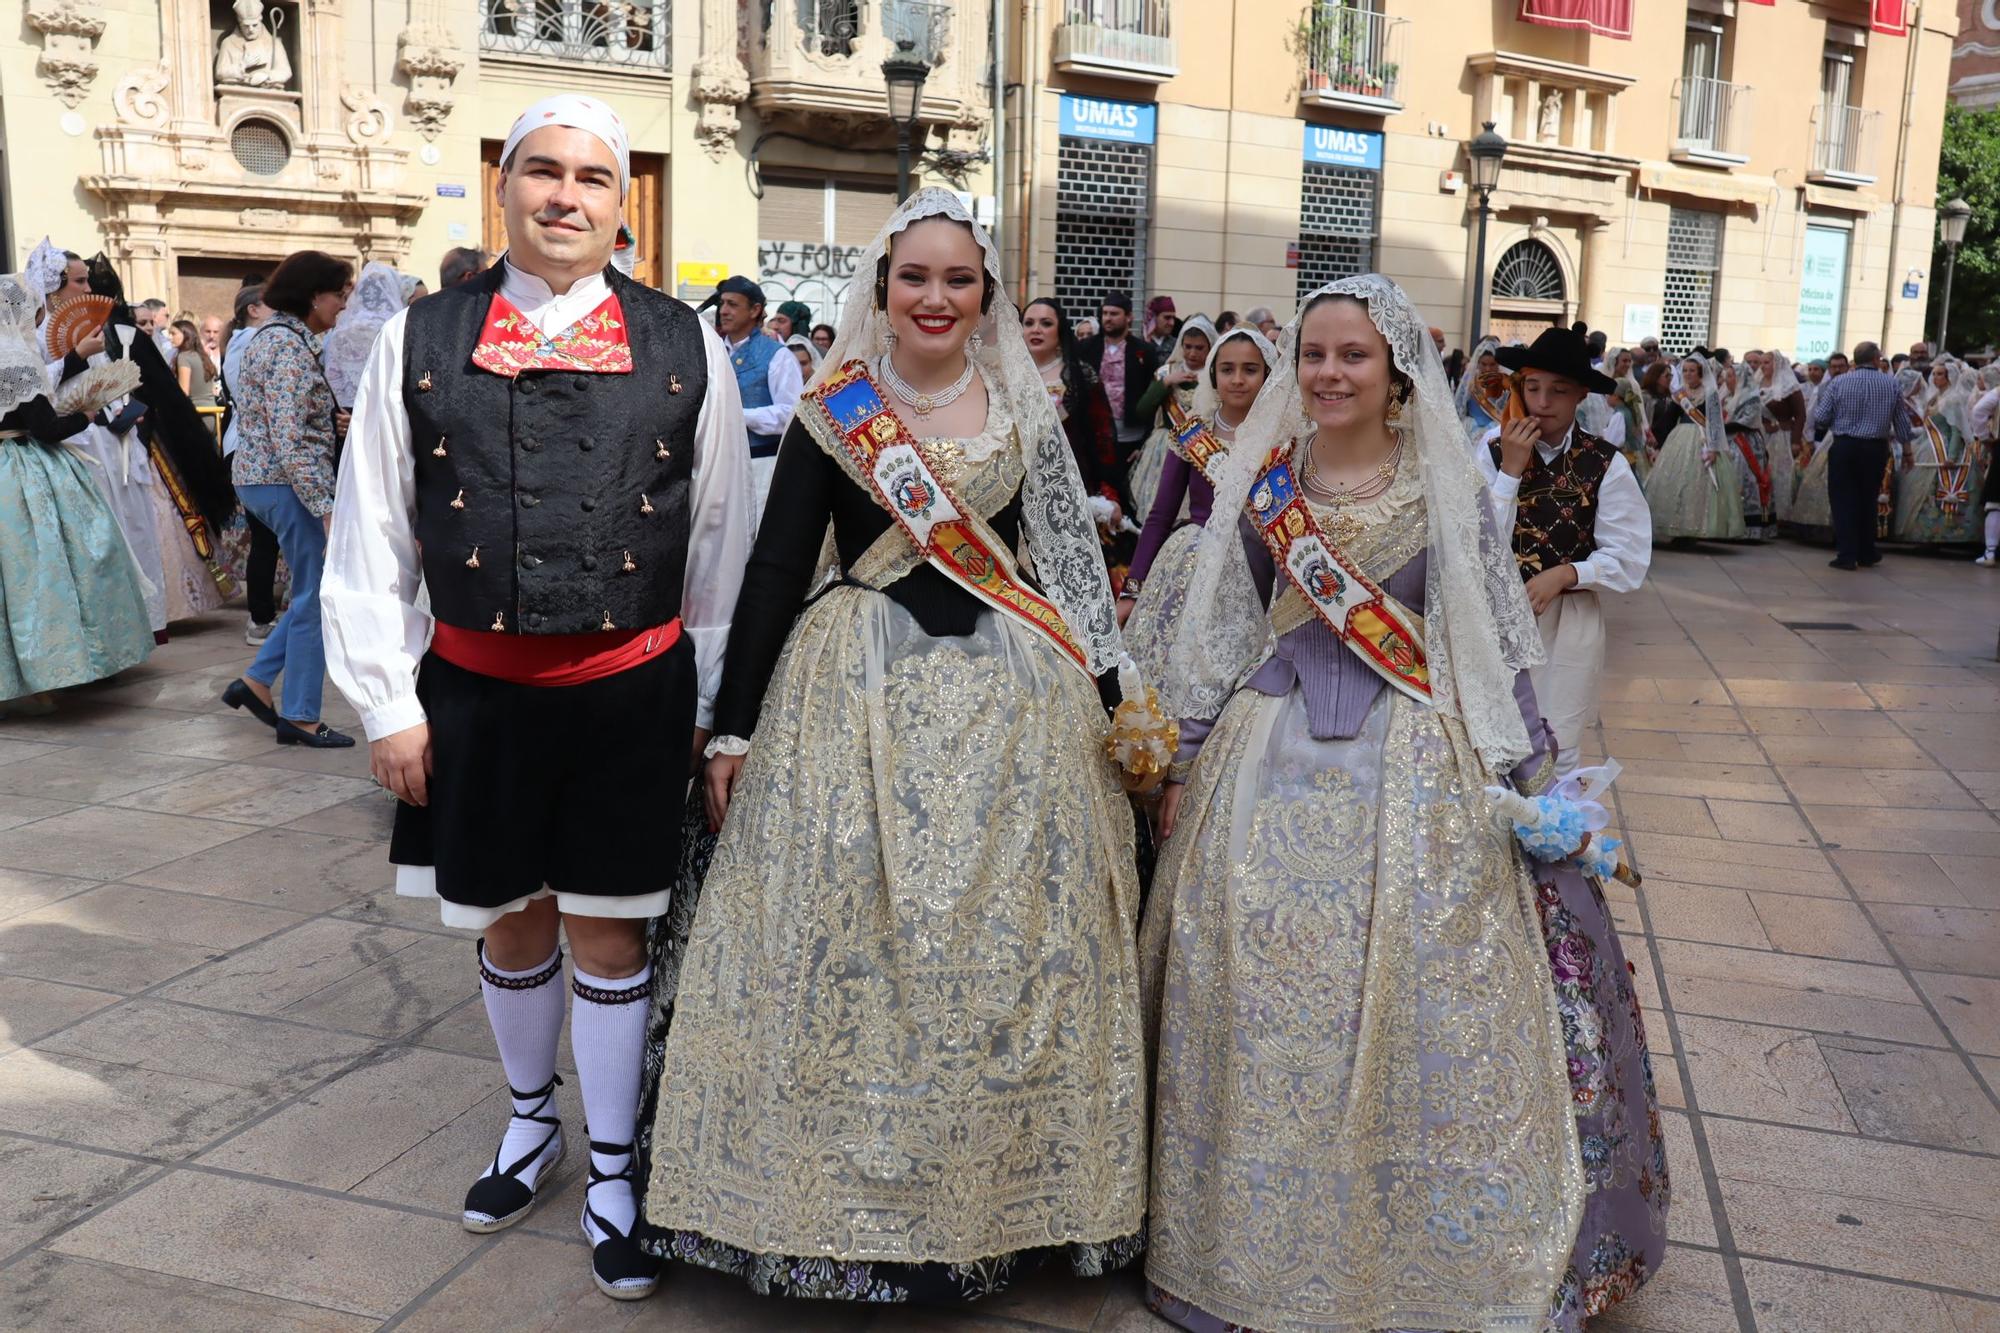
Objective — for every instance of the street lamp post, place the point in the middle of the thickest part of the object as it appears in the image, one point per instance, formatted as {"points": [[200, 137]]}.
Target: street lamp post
{"points": [[904, 74], [1951, 222], [1485, 154]]}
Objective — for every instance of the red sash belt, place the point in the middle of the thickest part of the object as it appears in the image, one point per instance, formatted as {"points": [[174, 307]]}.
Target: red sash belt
{"points": [[552, 659]]}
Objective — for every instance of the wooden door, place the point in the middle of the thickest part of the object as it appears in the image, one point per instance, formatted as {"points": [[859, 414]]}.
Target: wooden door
{"points": [[645, 211]]}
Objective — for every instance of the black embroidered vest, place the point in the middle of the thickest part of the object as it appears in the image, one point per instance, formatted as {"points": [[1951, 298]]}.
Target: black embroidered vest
{"points": [[1555, 521], [555, 502]]}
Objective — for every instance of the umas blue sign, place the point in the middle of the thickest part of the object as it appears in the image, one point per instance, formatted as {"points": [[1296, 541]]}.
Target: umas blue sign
{"points": [[1335, 147], [1097, 118]]}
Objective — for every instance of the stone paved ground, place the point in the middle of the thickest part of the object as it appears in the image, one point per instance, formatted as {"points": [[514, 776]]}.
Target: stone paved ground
{"points": [[241, 1085]]}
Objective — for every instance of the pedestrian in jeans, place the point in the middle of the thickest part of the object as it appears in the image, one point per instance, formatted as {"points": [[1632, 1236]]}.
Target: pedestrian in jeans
{"points": [[1865, 412], [261, 569], [284, 470]]}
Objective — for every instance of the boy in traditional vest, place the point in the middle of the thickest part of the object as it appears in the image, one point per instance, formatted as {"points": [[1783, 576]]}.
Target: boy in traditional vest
{"points": [[1578, 519]]}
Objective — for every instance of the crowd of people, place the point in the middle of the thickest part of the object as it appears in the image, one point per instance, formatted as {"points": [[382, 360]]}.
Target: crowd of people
{"points": [[970, 857]]}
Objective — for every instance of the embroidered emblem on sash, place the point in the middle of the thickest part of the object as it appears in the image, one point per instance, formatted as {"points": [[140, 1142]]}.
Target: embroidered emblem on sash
{"points": [[850, 417]]}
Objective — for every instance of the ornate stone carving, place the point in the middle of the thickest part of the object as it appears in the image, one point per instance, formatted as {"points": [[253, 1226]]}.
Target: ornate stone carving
{"points": [[139, 99], [70, 29], [425, 56], [368, 123], [252, 55], [721, 83]]}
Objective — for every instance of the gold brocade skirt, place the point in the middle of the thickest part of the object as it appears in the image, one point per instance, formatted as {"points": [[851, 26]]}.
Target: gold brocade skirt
{"points": [[908, 1020], [1362, 1112]]}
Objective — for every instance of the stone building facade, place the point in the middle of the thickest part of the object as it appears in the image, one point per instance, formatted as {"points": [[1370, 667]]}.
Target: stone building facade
{"points": [[201, 140], [1741, 173]]}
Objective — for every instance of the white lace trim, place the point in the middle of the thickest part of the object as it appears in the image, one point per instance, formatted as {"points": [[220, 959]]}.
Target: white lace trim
{"points": [[729, 745]]}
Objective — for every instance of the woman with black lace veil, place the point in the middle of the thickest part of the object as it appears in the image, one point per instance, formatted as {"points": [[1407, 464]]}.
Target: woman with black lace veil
{"points": [[1378, 1106], [905, 1060]]}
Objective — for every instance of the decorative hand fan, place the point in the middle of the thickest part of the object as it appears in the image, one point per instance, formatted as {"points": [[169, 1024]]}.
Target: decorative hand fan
{"points": [[73, 321]]}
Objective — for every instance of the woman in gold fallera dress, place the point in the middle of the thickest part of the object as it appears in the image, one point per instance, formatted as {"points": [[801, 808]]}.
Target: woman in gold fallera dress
{"points": [[1378, 1106], [905, 1061]]}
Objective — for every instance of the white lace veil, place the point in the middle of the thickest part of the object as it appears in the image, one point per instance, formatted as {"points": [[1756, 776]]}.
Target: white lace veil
{"points": [[23, 374], [1206, 400], [378, 294], [1462, 395], [1479, 629], [1954, 402], [1710, 400], [1177, 359], [1062, 550]]}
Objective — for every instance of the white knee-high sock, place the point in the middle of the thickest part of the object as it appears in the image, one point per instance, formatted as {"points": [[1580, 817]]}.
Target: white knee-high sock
{"points": [[1992, 531], [526, 1011], [608, 1033]]}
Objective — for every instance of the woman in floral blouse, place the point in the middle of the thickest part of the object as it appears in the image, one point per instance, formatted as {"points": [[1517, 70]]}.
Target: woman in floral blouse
{"points": [[286, 429]]}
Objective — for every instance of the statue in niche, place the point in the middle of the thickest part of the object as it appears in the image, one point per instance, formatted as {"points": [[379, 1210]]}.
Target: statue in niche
{"points": [[252, 55], [1552, 117]]}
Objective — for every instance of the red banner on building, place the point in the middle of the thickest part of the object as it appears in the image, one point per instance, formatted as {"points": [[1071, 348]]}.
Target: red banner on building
{"points": [[1606, 18], [1890, 18]]}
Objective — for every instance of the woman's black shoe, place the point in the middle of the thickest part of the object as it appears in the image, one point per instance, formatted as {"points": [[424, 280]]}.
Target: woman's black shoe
{"points": [[326, 738], [240, 695]]}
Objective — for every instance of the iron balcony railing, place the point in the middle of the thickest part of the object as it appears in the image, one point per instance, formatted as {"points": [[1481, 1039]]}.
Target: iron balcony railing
{"points": [[1353, 51], [1714, 118], [1122, 38], [1844, 143], [635, 33], [839, 27]]}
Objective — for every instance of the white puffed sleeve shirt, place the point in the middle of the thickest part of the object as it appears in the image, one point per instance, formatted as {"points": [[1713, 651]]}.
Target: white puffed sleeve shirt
{"points": [[376, 621], [1624, 529]]}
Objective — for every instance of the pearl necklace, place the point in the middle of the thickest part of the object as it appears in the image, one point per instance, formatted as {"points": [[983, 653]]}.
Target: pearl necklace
{"points": [[926, 403], [1225, 426]]}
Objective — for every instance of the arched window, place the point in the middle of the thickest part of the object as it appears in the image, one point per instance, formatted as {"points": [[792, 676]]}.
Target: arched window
{"points": [[1528, 271]]}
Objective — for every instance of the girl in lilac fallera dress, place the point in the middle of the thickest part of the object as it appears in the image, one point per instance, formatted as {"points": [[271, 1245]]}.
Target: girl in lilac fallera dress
{"points": [[1401, 1078]]}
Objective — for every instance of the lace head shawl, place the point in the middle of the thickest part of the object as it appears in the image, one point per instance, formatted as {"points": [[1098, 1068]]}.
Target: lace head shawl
{"points": [[1462, 396], [1479, 629], [1177, 359], [1206, 399], [1063, 552], [1704, 400], [1784, 381], [23, 373], [378, 294], [47, 267], [1954, 401], [1914, 387], [813, 353]]}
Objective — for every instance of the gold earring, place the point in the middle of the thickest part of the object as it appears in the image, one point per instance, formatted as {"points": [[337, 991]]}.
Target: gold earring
{"points": [[1398, 396]]}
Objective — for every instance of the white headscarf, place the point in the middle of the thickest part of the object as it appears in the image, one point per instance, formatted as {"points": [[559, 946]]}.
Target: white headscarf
{"points": [[1177, 359], [410, 282], [577, 112], [1206, 400], [23, 373], [47, 267], [1063, 551], [1479, 629], [378, 294], [1784, 380], [812, 351]]}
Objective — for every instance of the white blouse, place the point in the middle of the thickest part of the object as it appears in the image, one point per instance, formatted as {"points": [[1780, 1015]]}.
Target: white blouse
{"points": [[376, 627]]}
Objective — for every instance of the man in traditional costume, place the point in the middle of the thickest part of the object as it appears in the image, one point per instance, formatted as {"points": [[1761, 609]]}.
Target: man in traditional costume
{"points": [[1579, 520], [557, 453], [767, 376]]}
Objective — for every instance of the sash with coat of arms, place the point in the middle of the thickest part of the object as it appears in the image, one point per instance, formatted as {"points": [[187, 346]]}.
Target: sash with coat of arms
{"points": [[850, 417], [1379, 630]]}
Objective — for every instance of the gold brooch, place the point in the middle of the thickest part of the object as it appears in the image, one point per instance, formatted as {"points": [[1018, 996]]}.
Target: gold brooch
{"points": [[424, 384]]}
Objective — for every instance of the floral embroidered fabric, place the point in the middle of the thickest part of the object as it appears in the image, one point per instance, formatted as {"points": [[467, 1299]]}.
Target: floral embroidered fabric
{"points": [[510, 343]]}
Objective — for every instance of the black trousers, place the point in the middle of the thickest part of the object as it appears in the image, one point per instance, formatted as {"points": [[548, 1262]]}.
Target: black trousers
{"points": [[1853, 481], [260, 573]]}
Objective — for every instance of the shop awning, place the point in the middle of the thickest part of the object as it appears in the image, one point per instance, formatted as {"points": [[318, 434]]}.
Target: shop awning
{"points": [[1606, 18]]}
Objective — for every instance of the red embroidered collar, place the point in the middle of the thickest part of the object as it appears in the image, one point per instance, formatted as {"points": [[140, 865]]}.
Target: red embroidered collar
{"points": [[510, 343]]}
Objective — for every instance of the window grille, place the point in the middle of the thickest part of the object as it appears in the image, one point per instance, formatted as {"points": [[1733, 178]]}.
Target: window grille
{"points": [[627, 32], [1694, 257], [1337, 222], [1528, 272], [1102, 201], [260, 147]]}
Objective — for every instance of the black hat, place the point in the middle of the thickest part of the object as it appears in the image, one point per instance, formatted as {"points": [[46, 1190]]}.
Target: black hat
{"points": [[1560, 352], [741, 286], [1123, 300]]}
